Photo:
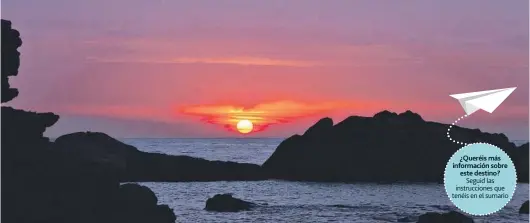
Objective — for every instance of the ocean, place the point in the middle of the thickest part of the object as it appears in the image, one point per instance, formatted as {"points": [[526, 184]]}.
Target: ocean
{"points": [[285, 201]]}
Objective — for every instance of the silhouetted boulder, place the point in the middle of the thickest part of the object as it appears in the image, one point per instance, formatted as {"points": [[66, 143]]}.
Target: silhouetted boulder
{"points": [[387, 147], [10, 59], [98, 148], [227, 203], [449, 217], [137, 196], [133, 165], [524, 208], [139, 204]]}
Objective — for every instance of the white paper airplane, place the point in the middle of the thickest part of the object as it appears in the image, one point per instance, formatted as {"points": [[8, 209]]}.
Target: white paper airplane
{"points": [[485, 100]]}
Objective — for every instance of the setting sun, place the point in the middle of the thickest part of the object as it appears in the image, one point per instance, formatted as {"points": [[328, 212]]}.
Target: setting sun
{"points": [[260, 116], [244, 126]]}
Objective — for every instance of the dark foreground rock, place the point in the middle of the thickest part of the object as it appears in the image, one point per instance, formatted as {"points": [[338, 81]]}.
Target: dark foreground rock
{"points": [[143, 202], [227, 203], [43, 184], [387, 147], [449, 217], [130, 164], [524, 208]]}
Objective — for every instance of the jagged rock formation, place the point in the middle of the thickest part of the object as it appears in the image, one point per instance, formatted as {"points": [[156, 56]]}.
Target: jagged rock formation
{"points": [[10, 59], [387, 147], [41, 183], [227, 203]]}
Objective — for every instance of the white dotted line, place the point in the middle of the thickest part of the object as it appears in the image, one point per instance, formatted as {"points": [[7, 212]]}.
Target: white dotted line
{"points": [[449, 130], [451, 199]]}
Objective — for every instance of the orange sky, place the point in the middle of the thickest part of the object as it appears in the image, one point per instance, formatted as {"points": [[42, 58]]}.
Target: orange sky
{"points": [[264, 115]]}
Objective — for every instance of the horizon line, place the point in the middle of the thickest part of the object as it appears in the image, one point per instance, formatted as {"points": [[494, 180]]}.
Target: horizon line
{"points": [[283, 138], [154, 137]]}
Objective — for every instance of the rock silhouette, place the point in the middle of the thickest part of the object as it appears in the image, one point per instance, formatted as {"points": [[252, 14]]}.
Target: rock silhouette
{"points": [[130, 164], [227, 203], [449, 217], [140, 199], [387, 147], [524, 208], [10, 59], [42, 183]]}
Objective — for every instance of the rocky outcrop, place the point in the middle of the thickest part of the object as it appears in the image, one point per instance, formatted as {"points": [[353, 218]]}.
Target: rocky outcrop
{"points": [[449, 217], [10, 59], [227, 203], [133, 165], [42, 183], [23, 125], [524, 208], [387, 147]]}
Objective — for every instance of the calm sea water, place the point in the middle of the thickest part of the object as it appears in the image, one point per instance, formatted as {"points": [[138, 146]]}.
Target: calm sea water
{"points": [[299, 201]]}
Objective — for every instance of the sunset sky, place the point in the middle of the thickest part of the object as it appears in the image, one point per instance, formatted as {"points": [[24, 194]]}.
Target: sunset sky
{"points": [[167, 68]]}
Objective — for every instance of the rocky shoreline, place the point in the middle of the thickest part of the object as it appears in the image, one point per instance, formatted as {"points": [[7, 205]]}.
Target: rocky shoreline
{"points": [[77, 177]]}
